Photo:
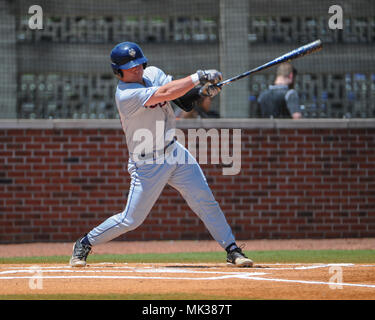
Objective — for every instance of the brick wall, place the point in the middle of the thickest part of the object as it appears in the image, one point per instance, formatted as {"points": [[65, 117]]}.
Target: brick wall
{"points": [[307, 180]]}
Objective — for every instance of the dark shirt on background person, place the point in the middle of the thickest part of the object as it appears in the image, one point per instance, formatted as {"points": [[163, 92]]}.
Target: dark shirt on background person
{"points": [[280, 100]]}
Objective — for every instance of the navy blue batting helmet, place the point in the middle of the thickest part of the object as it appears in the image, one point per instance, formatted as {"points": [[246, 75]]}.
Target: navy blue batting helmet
{"points": [[127, 55]]}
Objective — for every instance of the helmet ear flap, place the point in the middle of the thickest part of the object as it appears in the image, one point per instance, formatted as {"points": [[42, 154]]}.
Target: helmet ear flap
{"points": [[116, 70]]}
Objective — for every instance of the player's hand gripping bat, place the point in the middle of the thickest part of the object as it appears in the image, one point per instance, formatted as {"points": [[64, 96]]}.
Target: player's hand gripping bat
{"points": [[297, 53]]}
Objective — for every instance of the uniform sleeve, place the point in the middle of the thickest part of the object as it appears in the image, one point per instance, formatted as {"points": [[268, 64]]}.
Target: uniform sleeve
{"points": [[131, 100], [165, 78], [158, 76], [292, 101]]}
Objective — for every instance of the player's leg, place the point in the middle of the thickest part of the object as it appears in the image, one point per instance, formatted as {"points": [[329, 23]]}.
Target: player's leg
{"points": [[147, 182], [190, 181]]}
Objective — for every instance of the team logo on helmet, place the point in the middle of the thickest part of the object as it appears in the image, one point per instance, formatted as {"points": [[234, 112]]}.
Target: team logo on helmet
{"points": [[132, 52]]}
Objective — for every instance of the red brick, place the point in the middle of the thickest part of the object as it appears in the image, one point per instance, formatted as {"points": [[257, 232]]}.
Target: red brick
{"points": [[326, 173]]}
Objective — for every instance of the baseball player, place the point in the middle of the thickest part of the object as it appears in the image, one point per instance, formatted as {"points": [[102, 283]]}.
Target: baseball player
{"points": [[143, 99]]}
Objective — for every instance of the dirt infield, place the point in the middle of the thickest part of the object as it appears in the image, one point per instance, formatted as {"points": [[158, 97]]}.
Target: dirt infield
{"points": [[207, 280], [268, 281]]}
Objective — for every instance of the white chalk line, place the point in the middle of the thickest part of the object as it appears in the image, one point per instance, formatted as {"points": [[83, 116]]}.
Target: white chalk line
{"points": [[240, 276], [133, 270], [67, 269], [226, 275], [315, 282]]}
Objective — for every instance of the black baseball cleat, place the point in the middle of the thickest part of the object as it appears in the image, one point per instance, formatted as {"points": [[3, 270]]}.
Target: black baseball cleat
{"points": [[236, 257], [80, 253]]}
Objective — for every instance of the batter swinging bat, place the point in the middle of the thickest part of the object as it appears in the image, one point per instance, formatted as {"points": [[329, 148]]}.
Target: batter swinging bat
{"points": [[296, 53]]}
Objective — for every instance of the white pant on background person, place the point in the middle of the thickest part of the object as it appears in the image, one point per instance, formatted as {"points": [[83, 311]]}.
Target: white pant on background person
{"points": [[147, 183]]}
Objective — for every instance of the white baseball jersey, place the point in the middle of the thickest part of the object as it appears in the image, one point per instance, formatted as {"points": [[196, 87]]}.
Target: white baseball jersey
{"points": [[149, 179], [145, 128]]}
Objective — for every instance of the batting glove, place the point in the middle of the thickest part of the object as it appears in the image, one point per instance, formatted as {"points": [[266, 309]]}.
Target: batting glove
{"points": [[212, 76], [209, 90]]}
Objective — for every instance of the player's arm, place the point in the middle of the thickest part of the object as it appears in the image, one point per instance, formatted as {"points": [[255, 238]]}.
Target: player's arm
{"points": [[184, 87], [172, 90], [292, 102], [189, 100]]}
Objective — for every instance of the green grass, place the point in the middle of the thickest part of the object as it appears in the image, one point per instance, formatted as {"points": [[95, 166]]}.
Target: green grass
{"points": [[282, 256]]}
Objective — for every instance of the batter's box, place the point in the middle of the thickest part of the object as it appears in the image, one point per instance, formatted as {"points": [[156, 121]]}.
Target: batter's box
{"points": [[313, 274], [117, 272]]}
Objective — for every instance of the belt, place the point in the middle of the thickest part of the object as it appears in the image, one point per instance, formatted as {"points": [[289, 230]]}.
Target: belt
{"points": [[156, 153]]}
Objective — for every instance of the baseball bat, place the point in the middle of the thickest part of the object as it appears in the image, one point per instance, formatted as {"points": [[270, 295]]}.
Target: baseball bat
{"points": [[296, 53]]}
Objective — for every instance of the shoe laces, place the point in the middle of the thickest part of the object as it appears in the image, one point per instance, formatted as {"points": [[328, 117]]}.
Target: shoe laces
{"points": [[239, 249], [83, 250]]}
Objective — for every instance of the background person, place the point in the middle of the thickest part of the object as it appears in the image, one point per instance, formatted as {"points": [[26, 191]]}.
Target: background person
{"points": [[280, 100]]}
